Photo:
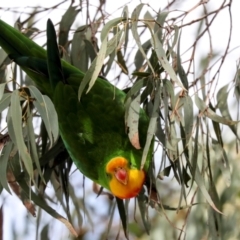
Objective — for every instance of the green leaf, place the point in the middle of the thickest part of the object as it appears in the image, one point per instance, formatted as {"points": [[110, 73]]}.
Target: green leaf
{"points": [[2, 88], [52, 117], [149, 21], [66, 22], [188, 117], [5, 155], [158, 28], [175, 38], [222, 161], [121, 62], [5, 101], [138, 85], [155, 63], [200, 183], [180, 69], [139, 57], [211, 114], [80, 52], [47, 111], [143, 211], [31, 138], [3, 56], [15, 119], [44, 232], [237, 82], [222, 97], [41, 203], [125, 14], [111, 45], [123, 216], [82, 48], [160, 133], [110, 220], [164, 61], [197, 175], [141, 74], [132, 121], [169, 92], [98, 64], [193, 165], [108, 26], [135, 16], [152, 124]]}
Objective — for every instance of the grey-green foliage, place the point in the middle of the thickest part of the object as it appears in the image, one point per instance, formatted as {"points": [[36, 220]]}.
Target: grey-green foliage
{"points": [[186, 126]]}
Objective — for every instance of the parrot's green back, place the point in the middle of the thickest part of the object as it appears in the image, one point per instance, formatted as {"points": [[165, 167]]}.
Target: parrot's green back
{"points": [[93, 129]]}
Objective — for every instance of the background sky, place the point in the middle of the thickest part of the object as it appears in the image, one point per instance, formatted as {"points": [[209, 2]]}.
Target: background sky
{"points": [[11, 10]]}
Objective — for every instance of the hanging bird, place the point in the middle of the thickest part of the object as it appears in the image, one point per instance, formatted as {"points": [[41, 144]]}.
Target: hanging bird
{"points": [[93, 129]]}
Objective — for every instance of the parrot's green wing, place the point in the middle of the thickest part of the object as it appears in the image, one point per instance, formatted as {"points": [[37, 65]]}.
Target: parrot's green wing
{"points": [[93, 129]]}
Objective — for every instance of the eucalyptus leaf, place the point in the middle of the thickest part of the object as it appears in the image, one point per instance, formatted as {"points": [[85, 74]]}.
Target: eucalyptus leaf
{"points": [[180, 68], [66, 22], [222, 161], [2, 88], [123, 216], [135, 16], [141, 199], [5, 155], [139, 57], [108, 26], [222, 96], [121, 62], [5, 101], [47, 111], [197, 177], [79, 53], [31, 138], [169, 92], [138, 85], [158, 28], [211, 114], [113, 207], [16, 119], [125, 15], [99, 63], [188, 117], [132, 122], [41, 203], [164, 61], [176, 38], [92, 70], [3, 56], [152, 124], [200, 183], [52, 117]]}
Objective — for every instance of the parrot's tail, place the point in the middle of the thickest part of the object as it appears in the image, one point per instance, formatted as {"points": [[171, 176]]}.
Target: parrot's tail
{"points": [[14, 42]]}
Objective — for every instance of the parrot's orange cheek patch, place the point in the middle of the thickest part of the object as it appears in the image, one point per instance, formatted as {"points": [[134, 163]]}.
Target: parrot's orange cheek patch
{"points": [[132, 188], [125, 182], [114, 163]]}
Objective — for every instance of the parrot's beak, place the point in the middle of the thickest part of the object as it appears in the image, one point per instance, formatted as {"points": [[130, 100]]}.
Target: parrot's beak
{"points": [[121, 175]]}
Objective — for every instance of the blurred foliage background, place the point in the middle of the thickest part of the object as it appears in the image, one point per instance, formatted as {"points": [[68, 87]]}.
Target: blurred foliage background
{"points": [[181, 59]]}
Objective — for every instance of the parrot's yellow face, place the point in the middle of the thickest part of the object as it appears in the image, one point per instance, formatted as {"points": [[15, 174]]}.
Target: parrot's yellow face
{"points": [[125, 182]]}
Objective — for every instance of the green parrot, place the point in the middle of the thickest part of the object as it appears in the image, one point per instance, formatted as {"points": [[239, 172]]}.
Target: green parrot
{"points": [[93, 128]]}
